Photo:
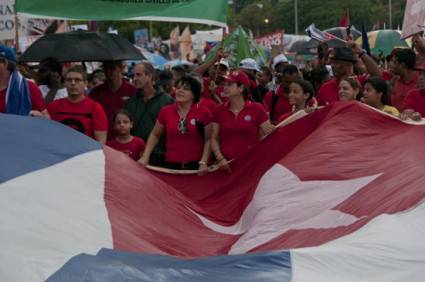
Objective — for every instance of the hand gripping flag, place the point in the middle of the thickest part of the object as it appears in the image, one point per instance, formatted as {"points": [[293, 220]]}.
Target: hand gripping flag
{"points": [[336, 195]]}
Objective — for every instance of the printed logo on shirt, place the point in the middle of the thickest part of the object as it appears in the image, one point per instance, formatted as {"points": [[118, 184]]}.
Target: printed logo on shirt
{"points": [[193, 121], [247, 118]]}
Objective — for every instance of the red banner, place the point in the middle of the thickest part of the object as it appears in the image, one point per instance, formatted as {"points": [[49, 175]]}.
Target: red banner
{"points": [[414, 18], [271, 39]]}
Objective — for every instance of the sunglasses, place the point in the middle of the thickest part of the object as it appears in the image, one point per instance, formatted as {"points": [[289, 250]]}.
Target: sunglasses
{"points": [[182, 126]]}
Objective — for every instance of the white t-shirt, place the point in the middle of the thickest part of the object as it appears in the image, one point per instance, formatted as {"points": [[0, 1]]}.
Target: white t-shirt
{"points": [[61, 93]]}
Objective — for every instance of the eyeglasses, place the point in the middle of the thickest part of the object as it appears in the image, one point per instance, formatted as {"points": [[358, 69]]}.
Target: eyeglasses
{"points": [[182, 126], [73, 79]]}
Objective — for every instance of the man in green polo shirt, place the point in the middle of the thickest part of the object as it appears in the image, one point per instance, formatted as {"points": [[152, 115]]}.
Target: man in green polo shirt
{"points": [[144, 107]]}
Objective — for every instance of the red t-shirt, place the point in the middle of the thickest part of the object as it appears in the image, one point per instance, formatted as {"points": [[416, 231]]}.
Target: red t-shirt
{"points": [[208, 104], [133, 149], [386, 75], [219, 91], [239, 133], [282, 103], [188, 146], [415, 100], [328, 92], [112, 101], [86, 116], [400, 91], [37, 100]]}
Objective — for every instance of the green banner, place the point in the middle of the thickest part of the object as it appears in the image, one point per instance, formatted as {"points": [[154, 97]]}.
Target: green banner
{"points": [[238, 46], [212, 12]]}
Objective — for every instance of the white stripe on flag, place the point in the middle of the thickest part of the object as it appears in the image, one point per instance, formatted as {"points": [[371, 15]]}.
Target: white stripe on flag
{"points": [[51, 215], [391, 248]]}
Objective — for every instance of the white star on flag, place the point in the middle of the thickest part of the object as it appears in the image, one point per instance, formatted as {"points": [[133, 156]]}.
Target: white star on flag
{"points": [[283, 202]]}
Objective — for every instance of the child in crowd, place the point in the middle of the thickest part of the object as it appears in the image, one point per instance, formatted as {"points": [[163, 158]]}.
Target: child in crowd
{"points": [[300, 94], [375, 94], [124, 141]]}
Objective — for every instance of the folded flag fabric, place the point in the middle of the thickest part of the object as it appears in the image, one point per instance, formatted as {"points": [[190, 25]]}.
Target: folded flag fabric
{"points": [[334, 196], [18, 100]]}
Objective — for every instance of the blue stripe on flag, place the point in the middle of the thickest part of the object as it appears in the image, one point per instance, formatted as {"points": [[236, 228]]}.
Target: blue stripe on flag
{"points": [[115, 266], [17, 158]]}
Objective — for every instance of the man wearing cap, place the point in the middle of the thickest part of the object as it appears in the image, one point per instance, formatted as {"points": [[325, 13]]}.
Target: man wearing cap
{"points": [[18, 95], [403, 65], [114, 92], [414, 103], [342, 63], [250, 67], [213, 85], [279, 62]]}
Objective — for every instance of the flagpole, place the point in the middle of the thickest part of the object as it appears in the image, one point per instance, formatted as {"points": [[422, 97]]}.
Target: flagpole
{"points": [[16, 29], [296, 15]]}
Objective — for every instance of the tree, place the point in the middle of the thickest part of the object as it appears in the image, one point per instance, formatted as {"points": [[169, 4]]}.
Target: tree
{"points": [[324, 13]]}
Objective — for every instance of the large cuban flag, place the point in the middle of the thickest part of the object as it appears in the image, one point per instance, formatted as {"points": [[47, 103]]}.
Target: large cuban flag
{"points": [[336, 195]]}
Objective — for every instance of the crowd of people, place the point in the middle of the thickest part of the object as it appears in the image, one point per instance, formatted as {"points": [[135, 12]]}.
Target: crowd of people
{"points": [[189, 118]]}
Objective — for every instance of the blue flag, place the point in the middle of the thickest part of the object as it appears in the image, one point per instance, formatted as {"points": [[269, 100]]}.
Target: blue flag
{"points": [[365, 40]]}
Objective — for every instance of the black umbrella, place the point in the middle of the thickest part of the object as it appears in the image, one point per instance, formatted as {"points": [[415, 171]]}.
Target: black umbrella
{"points": [[81, 46], [341, 32], [313, 43], [300, 47]]}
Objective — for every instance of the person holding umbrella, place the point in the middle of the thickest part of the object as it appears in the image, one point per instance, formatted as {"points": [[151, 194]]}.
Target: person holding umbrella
{"points": [[18, 95]]}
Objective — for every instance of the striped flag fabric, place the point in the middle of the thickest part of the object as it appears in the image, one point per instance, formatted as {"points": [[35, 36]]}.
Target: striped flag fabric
{"points": [[319, 35], [335, 195]]}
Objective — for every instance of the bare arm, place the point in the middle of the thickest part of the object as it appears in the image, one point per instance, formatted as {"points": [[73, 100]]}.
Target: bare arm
{"points": [[152, 141], [371, 67], [266, 128], [100, 136], [205, 66], [203, 164], [215, 147]]}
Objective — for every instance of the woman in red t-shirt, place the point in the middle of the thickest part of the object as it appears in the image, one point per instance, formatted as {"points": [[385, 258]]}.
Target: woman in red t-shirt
{"points": [[300, 93], [124, 141], [237, 124], [187, 127]]}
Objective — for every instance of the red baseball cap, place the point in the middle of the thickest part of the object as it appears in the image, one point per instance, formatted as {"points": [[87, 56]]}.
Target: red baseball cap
{"points": [[239, 77]]}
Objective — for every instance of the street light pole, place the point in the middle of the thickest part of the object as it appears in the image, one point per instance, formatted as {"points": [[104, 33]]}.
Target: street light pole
{"points": [[296, 15], [391, 14]]}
